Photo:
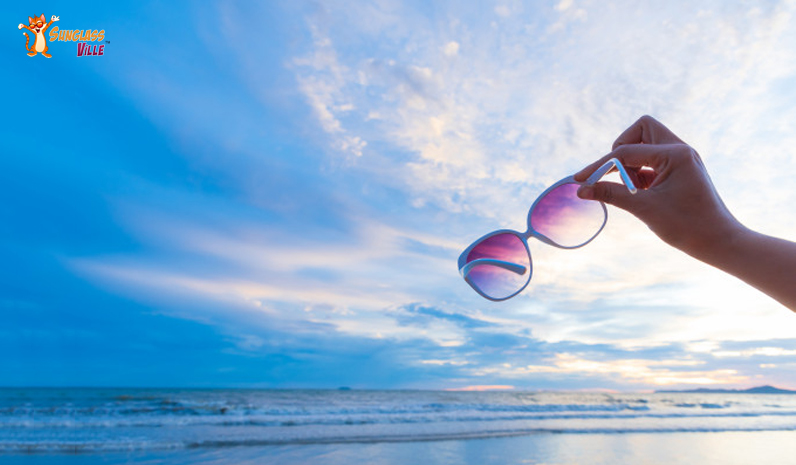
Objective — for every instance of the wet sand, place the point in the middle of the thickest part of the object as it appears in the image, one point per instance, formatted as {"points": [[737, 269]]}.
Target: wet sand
{"points": [[726, 448]]}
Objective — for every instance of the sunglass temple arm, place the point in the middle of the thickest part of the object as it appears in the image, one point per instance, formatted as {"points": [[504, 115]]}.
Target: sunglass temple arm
{"points": [[603, 170], [513, 267]]}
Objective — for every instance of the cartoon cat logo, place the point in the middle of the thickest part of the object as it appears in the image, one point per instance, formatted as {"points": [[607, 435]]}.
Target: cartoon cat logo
{"points": [[37, 27]]}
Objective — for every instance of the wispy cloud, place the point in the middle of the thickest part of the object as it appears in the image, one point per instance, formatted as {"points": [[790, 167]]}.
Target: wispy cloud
{"points": [[316, 172], [645, 372]]}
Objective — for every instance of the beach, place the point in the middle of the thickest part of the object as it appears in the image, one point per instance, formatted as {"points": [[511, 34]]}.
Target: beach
{"points": [[726, 448], [176, 426]]}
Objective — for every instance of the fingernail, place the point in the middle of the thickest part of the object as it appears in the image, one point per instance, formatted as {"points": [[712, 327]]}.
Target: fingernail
{"points": [[586, 192]]}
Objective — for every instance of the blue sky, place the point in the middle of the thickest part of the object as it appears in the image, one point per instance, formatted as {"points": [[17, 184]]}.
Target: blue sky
{"points": [[274, 195]]}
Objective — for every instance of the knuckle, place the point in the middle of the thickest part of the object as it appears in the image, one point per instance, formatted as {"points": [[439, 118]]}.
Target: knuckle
{"points": [[620, 151], [684, 153]]}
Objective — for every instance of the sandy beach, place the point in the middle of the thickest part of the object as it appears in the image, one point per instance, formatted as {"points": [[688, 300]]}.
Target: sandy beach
{"points": [[726, 448]]}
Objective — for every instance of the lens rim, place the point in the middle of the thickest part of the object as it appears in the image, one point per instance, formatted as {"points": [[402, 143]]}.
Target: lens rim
{"points": [[531, 232], [463, 261]]}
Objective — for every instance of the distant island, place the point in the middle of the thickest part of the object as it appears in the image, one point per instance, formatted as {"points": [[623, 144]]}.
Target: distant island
{"points": [[754, 390]]}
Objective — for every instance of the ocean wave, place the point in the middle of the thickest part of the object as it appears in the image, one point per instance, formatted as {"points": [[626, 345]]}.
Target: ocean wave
{"points": [[89, 446], [346, 419], [118, 420]]}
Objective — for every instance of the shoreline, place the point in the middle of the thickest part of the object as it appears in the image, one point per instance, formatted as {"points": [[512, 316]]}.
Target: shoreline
{"points": [[677, 448]]}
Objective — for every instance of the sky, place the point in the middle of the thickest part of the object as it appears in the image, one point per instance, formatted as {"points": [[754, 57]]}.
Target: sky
{"points": [[275, 194]]}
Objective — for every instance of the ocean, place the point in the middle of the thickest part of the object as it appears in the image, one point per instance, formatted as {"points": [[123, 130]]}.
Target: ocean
{"points": [[286, 426]]}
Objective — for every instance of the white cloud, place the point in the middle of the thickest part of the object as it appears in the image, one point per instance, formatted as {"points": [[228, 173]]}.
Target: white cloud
{"points": [[451, 48], [321, 78], [646, 372], [765, 351], [503, 11], [535, 105], [564, 5]]}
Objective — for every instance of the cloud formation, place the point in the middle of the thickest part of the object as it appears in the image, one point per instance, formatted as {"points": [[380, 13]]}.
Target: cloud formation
{"points": [[297, 192]]}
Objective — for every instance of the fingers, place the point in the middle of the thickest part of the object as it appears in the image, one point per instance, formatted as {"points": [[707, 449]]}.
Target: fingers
{"points": [[646, 130], [609, 192], [583, 174], [632, 156], [646, 143]]}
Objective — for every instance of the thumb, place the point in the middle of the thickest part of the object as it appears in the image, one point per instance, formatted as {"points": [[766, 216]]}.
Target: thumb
{"points": [[608, 192]]}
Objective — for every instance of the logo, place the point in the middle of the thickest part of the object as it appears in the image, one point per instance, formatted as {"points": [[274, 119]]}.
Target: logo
{"points": [[37, 27], [84, 38]]}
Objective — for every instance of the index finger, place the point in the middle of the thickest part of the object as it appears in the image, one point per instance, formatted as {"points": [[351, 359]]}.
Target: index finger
{"points": [[646, 130], [632, 156]]}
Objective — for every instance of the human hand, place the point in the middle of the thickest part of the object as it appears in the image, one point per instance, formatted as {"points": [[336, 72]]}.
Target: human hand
{"points": [[676, 198]]}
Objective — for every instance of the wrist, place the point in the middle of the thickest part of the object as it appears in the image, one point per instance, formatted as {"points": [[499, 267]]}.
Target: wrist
{"points": [[725, 243]]}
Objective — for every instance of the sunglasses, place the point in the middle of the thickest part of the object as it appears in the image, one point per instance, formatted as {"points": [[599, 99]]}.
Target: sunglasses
{"points": [[498, 265]]}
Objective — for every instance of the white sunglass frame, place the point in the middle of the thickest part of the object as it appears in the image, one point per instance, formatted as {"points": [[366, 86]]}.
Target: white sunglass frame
{"points": [[465, 267]]}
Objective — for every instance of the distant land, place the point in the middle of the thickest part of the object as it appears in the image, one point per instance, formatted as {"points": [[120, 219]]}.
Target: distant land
{"points": [[754, 390]]}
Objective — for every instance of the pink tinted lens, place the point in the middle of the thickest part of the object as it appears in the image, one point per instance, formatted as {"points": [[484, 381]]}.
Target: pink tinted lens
{"points": [[493, 280], [566, 219]]}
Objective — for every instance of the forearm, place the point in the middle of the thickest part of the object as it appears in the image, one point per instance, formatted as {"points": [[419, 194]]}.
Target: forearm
{"points": [[765, 262]]}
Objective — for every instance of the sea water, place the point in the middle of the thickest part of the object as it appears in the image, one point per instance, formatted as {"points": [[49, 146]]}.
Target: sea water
{"points": [[108, 420]]}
